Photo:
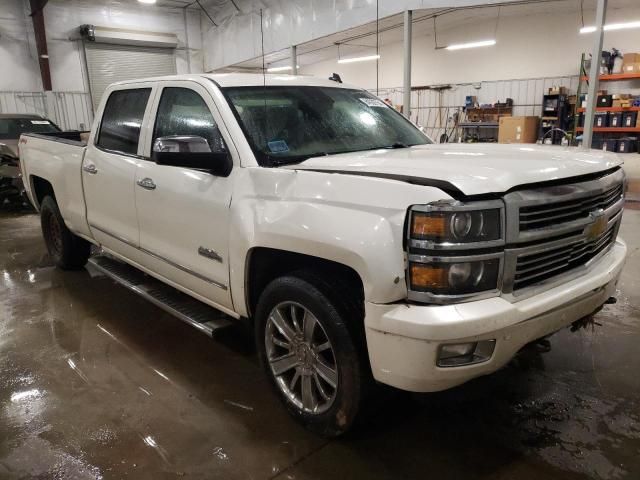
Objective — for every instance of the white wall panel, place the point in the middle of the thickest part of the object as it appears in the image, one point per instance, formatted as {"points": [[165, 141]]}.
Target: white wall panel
{"points": [[22, 102], [528, 46], [18, 57], [287, 22], [62, 19], [69, 110]]}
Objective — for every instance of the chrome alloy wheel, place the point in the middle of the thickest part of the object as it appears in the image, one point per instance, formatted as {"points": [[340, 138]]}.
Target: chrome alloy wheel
{"points": [[301, 357]]}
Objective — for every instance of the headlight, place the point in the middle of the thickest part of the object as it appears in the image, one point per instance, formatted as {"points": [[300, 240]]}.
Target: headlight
{"points": [[455, 250], [455, 276], [466, 226]]}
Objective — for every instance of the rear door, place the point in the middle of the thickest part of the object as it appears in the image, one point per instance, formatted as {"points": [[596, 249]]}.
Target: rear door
{"points": [[184, 213], [109, 168]]}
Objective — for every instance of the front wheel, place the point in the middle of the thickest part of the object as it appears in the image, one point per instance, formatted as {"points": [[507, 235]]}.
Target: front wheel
{"points": [[67, 250], [309, 354]]}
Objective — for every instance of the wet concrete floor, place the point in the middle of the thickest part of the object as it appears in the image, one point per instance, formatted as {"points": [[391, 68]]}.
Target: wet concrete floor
{"points": [[97, 383]]}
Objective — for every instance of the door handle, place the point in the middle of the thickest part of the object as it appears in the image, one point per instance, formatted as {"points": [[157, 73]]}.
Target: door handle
{"points": [[146, 183], [90, 168]]}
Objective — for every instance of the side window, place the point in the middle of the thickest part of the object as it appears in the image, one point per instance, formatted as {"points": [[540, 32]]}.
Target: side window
{"points": [[122, 120], [183, 112]]}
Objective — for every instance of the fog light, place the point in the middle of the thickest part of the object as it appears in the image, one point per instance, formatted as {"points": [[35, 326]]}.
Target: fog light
{"points": [[459, 354]]}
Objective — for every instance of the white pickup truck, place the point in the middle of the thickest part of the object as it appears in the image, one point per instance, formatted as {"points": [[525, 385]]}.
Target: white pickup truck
{"points": [[360, 251]]}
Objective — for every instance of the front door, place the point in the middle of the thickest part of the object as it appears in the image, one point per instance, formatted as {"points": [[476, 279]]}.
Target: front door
{"points": [[183, 213]]}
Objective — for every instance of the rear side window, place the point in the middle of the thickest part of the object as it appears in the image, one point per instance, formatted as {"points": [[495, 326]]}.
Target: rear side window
{"points": [[122, 120]]}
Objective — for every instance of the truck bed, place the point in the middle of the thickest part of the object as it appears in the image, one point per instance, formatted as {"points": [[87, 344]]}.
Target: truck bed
{"points": [[71, 137], [56, 159]]}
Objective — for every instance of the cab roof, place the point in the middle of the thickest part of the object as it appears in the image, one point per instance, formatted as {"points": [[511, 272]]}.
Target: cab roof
{"points": [[250, 80]]}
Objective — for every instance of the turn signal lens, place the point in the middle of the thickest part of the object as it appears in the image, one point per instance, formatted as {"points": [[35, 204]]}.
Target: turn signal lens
{"points": [[455, 278], [428, 226], [428, 276], [450, 226]]}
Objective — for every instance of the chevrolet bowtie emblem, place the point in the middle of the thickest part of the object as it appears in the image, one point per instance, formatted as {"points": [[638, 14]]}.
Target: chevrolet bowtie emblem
{"points": [[597, 226]]}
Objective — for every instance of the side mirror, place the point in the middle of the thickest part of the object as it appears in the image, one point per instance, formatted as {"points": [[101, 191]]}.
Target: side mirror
{"points": [[188, 151]]}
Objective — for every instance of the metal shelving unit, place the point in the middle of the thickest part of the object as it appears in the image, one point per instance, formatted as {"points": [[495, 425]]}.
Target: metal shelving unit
{"points": [[608, 78]]}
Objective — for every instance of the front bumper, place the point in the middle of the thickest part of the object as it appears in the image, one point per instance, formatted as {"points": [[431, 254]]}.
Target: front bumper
{"points": [[403, 340]]}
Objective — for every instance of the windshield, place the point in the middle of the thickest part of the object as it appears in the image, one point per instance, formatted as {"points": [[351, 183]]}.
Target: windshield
{"points": [[293, 123], [12, 128]]}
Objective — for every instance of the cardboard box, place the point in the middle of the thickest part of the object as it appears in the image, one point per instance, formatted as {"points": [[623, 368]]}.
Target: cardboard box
{"points": [[631, 68], [557, 90], [630, 61], [518, 129]]}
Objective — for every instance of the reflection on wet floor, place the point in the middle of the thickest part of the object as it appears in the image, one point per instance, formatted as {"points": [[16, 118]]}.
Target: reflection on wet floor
{"points": [[97, 383]]}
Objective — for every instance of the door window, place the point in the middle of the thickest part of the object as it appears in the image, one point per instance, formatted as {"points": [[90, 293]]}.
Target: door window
{"points": [[183, 112], [122, 120]]}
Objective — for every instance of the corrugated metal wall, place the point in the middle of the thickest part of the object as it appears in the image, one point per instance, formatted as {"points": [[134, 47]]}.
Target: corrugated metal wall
{"points": [[69, 110], [434, 110], [72, 110], [22, 102]]}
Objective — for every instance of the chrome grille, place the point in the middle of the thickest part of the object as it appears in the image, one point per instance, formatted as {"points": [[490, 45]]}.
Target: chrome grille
{"points": [[536, 267], [550, 214], [541, 214], [550, 231]]}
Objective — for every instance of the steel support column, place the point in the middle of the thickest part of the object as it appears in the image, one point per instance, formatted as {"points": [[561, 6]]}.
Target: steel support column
{"points": [[37, 15], [406, 96], [294, 60], [594, 72]]}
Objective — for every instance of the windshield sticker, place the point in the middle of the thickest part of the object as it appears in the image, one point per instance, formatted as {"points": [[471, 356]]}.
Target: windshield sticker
{"points": [[40, 122], [278, 146], [372, 102]]}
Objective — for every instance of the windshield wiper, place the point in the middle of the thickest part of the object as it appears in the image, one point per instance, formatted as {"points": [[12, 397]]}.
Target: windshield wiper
{"points": [[397, 145], [278, 162], [386, 147]]}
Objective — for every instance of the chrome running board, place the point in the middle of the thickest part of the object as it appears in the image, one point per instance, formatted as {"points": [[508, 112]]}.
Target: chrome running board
{"points": [[200, 316]]}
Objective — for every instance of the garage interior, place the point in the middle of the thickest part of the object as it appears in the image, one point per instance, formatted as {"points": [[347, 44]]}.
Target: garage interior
{"points": [[96, 382]]}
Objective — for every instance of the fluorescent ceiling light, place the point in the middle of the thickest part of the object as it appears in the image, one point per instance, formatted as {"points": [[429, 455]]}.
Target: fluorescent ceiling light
{"points": [[358, 59], [461, 46], [281, 69], [612, 26], [147, 1]]}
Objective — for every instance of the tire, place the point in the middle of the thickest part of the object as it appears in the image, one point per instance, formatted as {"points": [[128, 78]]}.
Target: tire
{"points": [[316, 302], [67, 250]]}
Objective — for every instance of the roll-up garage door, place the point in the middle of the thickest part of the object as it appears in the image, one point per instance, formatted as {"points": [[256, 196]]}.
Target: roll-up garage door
{"points": [[108, 63]]}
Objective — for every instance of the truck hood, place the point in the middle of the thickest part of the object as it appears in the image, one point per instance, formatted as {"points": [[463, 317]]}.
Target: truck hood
{"points": [[469, 168]]}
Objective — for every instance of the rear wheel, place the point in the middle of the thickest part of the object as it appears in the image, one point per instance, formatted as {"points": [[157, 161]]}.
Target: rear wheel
{"points": [[308, 353], [67, 250]]}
